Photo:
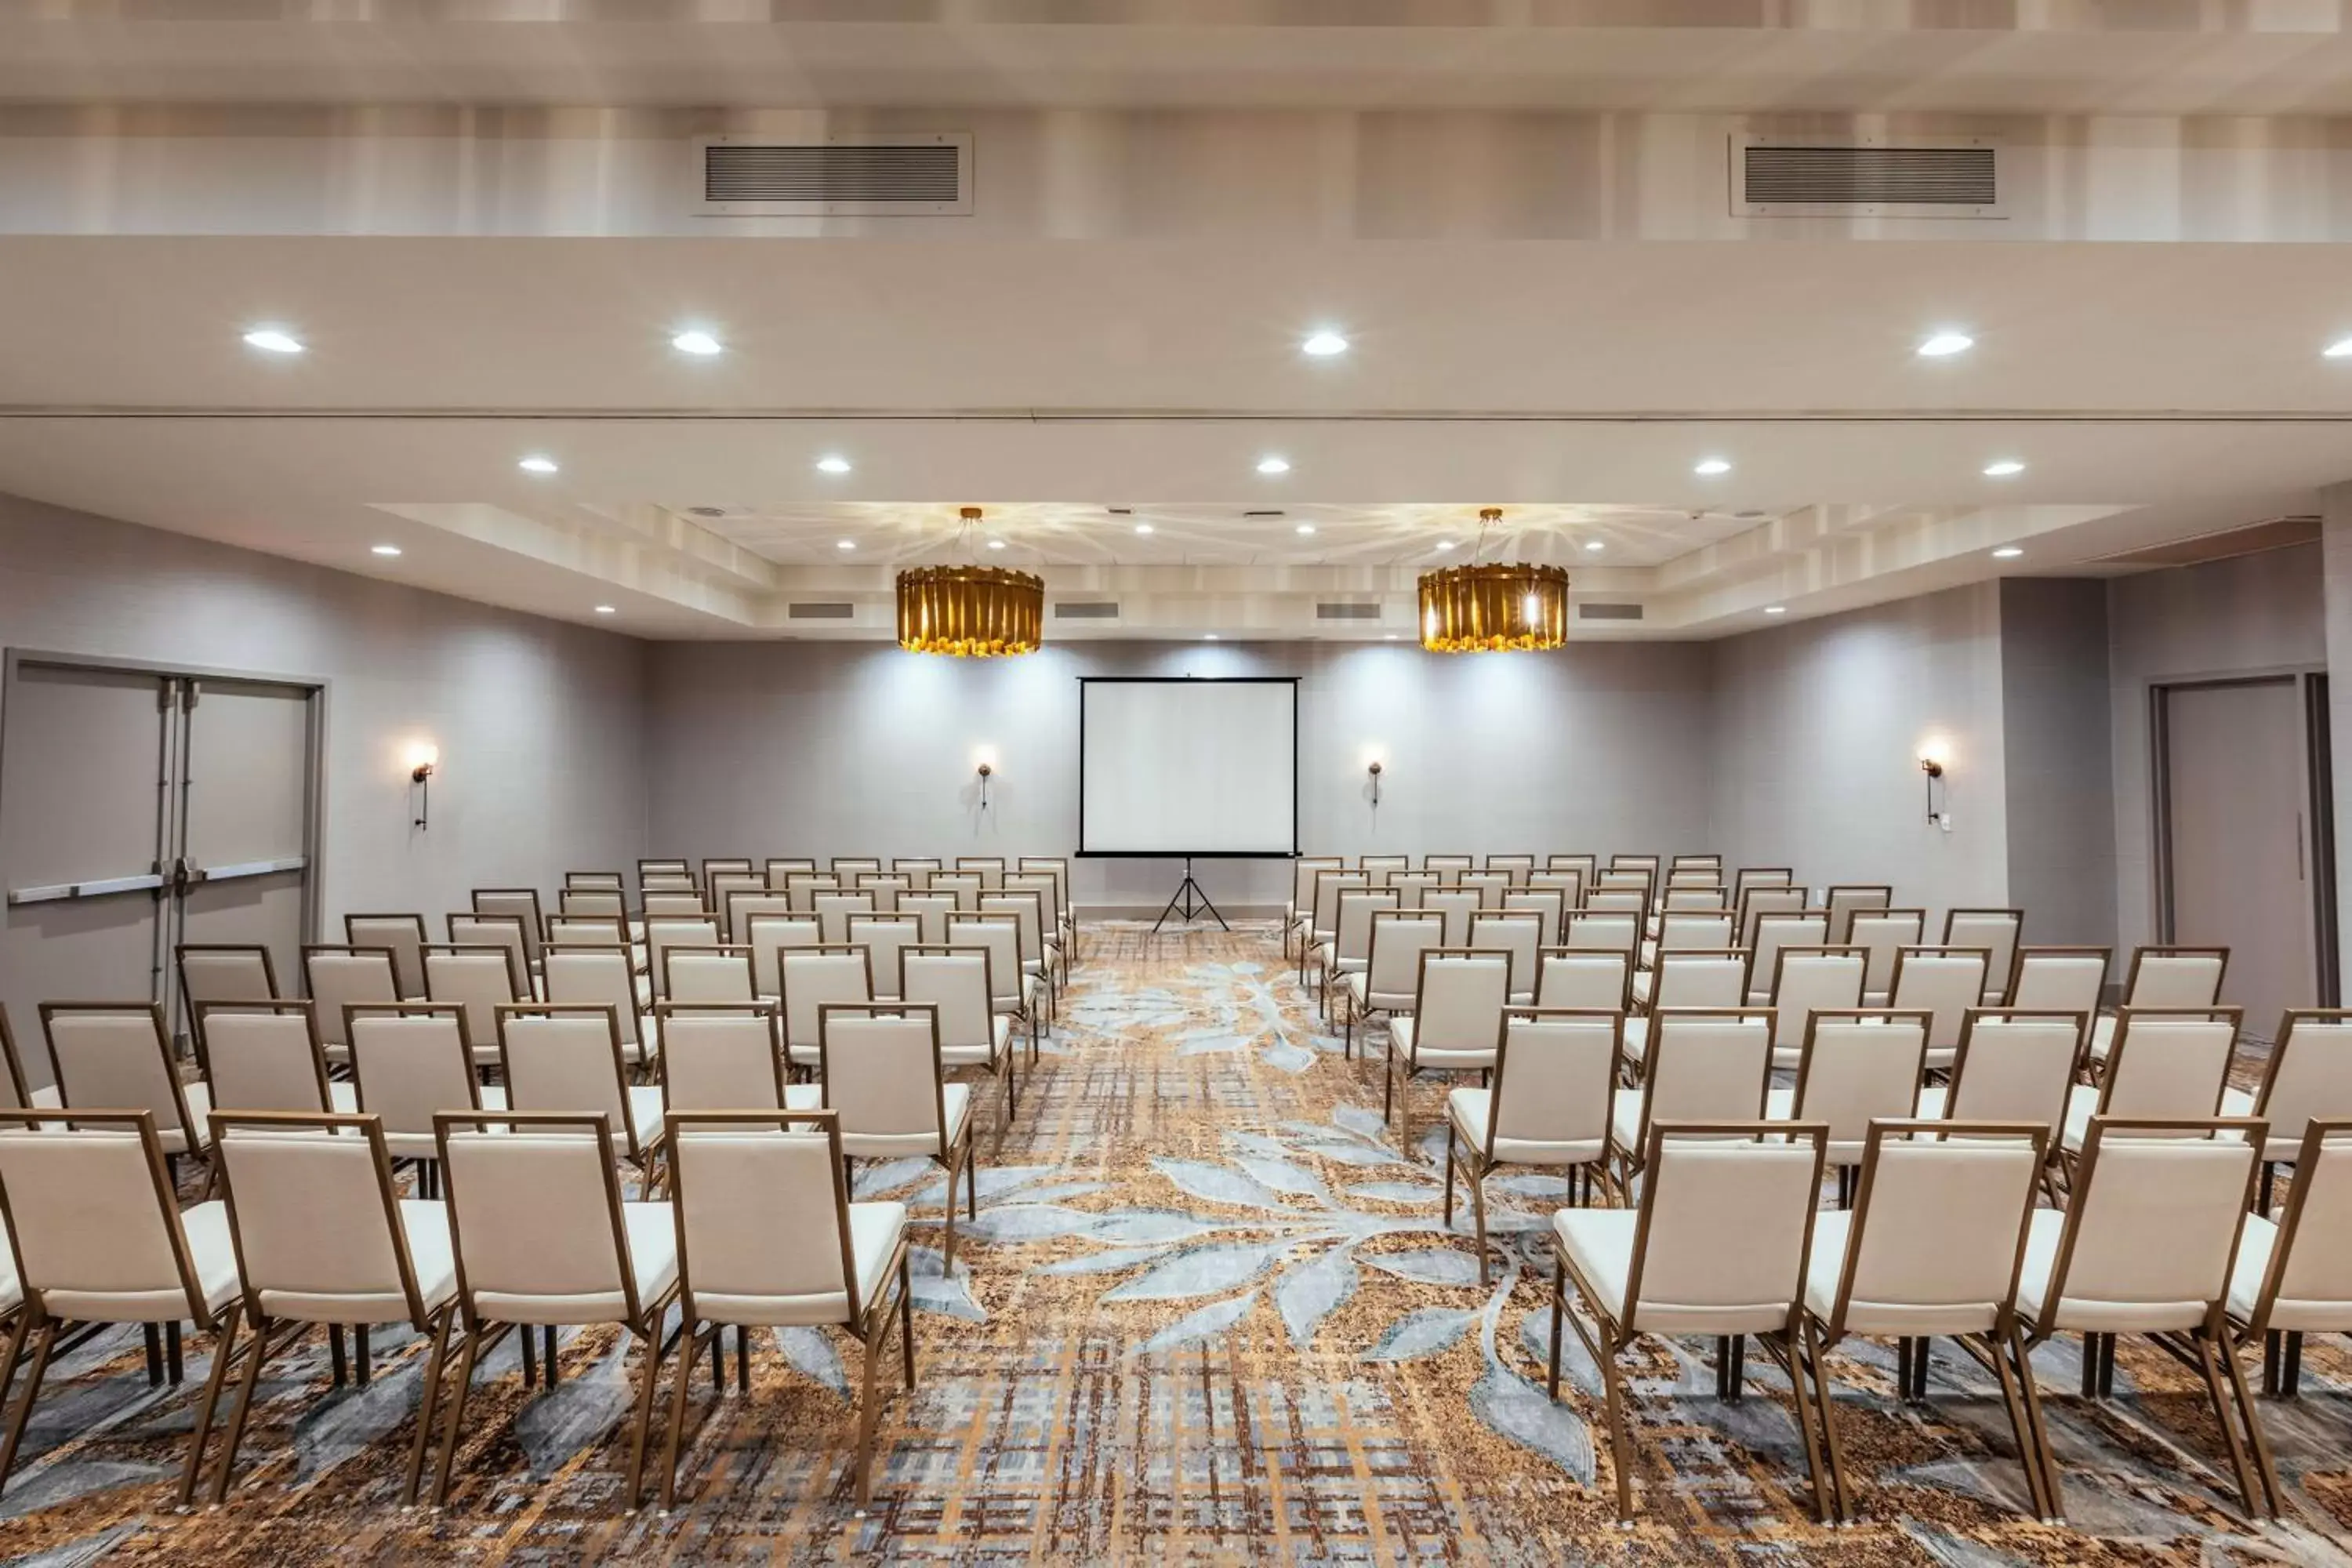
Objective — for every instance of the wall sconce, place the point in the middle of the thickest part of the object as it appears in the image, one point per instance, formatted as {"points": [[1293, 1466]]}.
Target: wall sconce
{"points": [[1932, 757], [986, 771], [1373, 768], [423, 758]]}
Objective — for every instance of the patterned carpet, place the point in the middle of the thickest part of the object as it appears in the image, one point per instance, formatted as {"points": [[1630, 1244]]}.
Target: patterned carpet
{"points": [[1208, 1315]]}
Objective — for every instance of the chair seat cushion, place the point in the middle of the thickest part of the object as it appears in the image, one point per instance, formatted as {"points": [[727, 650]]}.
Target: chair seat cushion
{"points": [[955, 1100], [875, 1232], [2078, 1314], [424, 1223], [1825, 1265], [1599, 1245], [2255, 1248], [210, 1253], [972, 1054], [199, 1096], [1468, 1110]]}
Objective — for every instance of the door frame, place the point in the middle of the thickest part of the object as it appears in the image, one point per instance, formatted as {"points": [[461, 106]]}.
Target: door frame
{"points": [[2317, 842], [314, 795]]}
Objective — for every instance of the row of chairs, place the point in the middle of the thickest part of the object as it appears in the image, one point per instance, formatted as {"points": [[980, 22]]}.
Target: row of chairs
{"points": [[1944, 1240]]}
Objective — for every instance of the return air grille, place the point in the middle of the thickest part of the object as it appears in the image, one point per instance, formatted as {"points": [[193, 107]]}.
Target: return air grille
{"points": [[1347, 612], [1781, 177], [820, 612], [1086, 610], [1608, 612], [871, 176]]}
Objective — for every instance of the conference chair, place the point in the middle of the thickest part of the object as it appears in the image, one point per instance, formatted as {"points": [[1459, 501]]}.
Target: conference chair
{"points": [[221, 974], [567, 1061], [1519, 935], [117, 1055], [523, 903], [607, 903], [2060, 979], [1456, 1020], [1459, 906], [611, 879], [833, 908], [1011, 989], [587, 931], [1610, 930], [1585, 979], [1933, 1247], [1855, 1067], [2146, 1245], [1683, 928], [1065, 914], [1702, 859], [1548, 1108], [818, 1260], [932, 911], [808, 980], [1323, 913], [2295, 1277], [323, 1238], [1624, 860], [884, 937], [340, 977], [848, 869], [916, 868], [956, 983], [1748, 877], [884, 887], [1701, 1065], [1845, 900], [601, 977], [409, 1063], [673, 868], [1449, 868], [468, 929], [1881, 934], [1049, 884], [802, 887], [717, 866], [1773, 899], [1698, 977], [1945, 981], [2163, 1064], [1633, 901], [1548, 904], [1568, 882], [1391, 974], [2165, 977], [1412, 887], [1772, 932], [1376, 868], [684, 903], [769, 935], [1038, 966], [270, 1060], [1718, 1247], [1805, 981], [883, 1077], [2307, 1077], [1997, 931], [723, 1058], [404, 936], [720, 974], [1349, 950], [98, 1236], [482, 979], [967, 886], [665, 931], [1490, 886], [1586, 865], [1518, 867], [543, 1238], [781, 868], [2015, 1065]]}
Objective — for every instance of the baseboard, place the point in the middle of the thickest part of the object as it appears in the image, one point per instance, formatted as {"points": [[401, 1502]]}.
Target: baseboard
{"points": [[1086, 912]]}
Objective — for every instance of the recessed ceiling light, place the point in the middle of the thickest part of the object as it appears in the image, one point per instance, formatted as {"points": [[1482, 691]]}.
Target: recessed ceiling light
{"points": [[387, 550], [1707, 467], [1210, 637], [1776, 610], [996, 544], [2009, 552], [274, 340], [607, 610], [695, 342], [1144, 528], [2340, 349], [833, 463], [844, 544], [1306, 527], [2003, 469], [1938, 345], [1271, 464], [1324, 344], [1595, 544], [537, 464]]}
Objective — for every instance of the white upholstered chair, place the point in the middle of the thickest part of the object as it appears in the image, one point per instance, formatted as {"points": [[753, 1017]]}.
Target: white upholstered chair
{"points": [[1945, 983], [883, 1076], [480, 979], [1392, 969], [405, 936], [1703, 1065], [1548, 1108], [1854, 1068], [2163, 1064], [337, 978], [602, 977], [567, 1061], [1805, 981], [410, 1062], [2307, 1077], [1998, 933], [270, 1060], [1586, 978], [118, 1057], [809, 978], [2166, 977], [974, 1034], [1455, 1022]]}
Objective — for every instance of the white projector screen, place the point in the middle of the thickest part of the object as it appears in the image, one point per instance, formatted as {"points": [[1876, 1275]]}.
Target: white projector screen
{"points": [[1197, 768]]}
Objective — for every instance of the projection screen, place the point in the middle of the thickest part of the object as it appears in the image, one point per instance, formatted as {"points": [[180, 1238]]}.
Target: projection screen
{"points": [[1193, 768]]}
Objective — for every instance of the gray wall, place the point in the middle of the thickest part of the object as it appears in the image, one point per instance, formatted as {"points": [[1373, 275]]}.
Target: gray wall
{"points": [[851, 748], [540, 724], [1818, 727], [2057, 756], [2253, 614]]}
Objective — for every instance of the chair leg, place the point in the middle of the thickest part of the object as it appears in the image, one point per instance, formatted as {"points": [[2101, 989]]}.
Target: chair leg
{"points": [[2265, 1467], [335, 1351], [427, 1398], [867, 1408], [2045, 1455], [742, 1359], [175, 1368], [2231, 1438], [2090, 1366], [2017, 1426], [1449, 1177], [1841, 1495], [223, 1352], [1559, 1310], [651, 1372], [457, 1413], [1477, 1175], [1621, 1449], [154, 1333], [530, 1355], [1825, 1507], [955, 1167], [907, 1315], [255, 1355], [359, 1353], [681, 1377], [44, 1343], [718, 1361]]}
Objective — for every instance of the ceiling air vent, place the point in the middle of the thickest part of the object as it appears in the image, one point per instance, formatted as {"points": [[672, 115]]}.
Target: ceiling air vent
{"points": [[838, 176], [1086, 610], [1779, 177], [1347, 612], [820, 612], [1608, 612]]}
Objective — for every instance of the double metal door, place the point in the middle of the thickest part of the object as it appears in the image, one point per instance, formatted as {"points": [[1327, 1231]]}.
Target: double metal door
{"points": [[142, 808]]}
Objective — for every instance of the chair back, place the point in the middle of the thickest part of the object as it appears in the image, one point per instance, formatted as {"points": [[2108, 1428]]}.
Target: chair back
{"points": [[782, 869], [953, 982], [1048, 889], [726, 887], [769, 935], [884, 887], [1703, 1065], [212, 973], [1518, 936], [596, 977], [1392, 969], [916, 868], [1554, 1073], [1585, 978], [1449, 868], [1584, 865], [1808, 979], [1353, 940], [966, 887], [1697, 897], [1772, 898], [763, 1220], [717, 866], [742, 908], [665, 931], [1376, 868], [1937, 1237], [1725, 1227], [404, 935], [340, 977], [1457, 905], [2309, 1076], [1548, 905], [1774, 931], [1458, 1003], [718, 1058], [2014, 1064], [675, 904], [118, 1057], [1945, 981], [834, 909], [1412, 887], [1329, 882], [482, 979], [522, 904], [599, 902], [1748, 877], [802, 887], [1700, 978], [316, 1218], [930, 910], [567, 1060], [990, 868], [1303, 872], [466, 930], [2152, 1223], [1682, 929], [2169, 1063], [1490, 886], [2059, 979], [2176, 977], [408, 1065], [810, 978], [849, 867], [1881, 934], [708, 974], [1604, 929], [884, 938], [1000, 935], [265, 1061], [1845, 900], [583, 931], [1518, 867], [606, 880], [2308, 1281], [883, 1077], [537, 1221], [1605, 899], [1995, 930], [1568, 883], [1856, 1068], [93, 1220], [1028, 907]]}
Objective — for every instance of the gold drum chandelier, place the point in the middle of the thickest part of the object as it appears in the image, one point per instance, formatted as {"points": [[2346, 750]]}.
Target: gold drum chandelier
{"points": [[1493, 609], [970, 611]]}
